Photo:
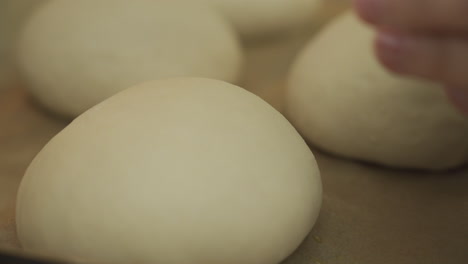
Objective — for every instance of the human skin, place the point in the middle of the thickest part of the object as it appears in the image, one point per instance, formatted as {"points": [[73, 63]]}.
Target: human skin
{"points": [[423, 38]]}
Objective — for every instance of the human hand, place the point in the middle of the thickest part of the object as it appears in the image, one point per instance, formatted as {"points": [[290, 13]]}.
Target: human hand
{"points": [[425, 38]]}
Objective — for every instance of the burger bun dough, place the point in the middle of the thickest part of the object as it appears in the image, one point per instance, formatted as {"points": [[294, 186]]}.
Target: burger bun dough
{"points": [[172, 171], [75, 54], [343, 101], [258, 18]]}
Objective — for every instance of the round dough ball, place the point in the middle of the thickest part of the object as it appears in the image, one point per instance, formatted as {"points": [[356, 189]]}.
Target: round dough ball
{"points": [[343, 101], [172, 171], [12, 15], [265, 17], [74, 54]]}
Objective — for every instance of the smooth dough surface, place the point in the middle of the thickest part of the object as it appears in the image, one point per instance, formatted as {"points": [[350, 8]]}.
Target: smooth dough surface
{"points": [[12, 15], [343, 101], [254, 18], [74, 54], [174, 171]]}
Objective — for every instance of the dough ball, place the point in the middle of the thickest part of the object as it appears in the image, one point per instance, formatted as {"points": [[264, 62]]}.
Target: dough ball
{"points": [[253, 18], [343, 101], [173, 171], [74, 54], [12, 15]]}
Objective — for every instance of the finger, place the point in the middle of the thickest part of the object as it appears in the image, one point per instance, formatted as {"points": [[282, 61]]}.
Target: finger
{"points": [[441, 59], [459, 98], [416, 14]]}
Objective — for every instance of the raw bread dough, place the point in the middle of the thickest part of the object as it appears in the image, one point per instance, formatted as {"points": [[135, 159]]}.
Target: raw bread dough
{"points": [[173, 171], [253, 18], [342, 100], [12, 15], [74, 54]]}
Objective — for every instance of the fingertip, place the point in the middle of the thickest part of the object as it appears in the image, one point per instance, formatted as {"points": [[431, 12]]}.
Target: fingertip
{"points": [[459, 98], [368, 10], [388, 48]]}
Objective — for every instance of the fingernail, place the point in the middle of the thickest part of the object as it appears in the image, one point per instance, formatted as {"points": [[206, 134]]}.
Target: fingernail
{"points": [[459, 98], [369, 10], [390, 48]]}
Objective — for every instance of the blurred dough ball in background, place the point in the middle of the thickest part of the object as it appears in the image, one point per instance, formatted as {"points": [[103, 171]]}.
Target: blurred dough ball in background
{"points": [[200, 171], [260, 18], [12, 15], [343, 101], [269, 60], [74, 54]]}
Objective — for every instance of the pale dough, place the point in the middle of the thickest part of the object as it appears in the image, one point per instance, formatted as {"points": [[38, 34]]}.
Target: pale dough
{"points": [[173, 171], [12, 15], [258, 18], [343, 101], [74, 54]]}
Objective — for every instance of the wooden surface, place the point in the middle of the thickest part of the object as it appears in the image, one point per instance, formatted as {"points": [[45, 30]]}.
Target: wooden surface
{"points": [[370, 215]]}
